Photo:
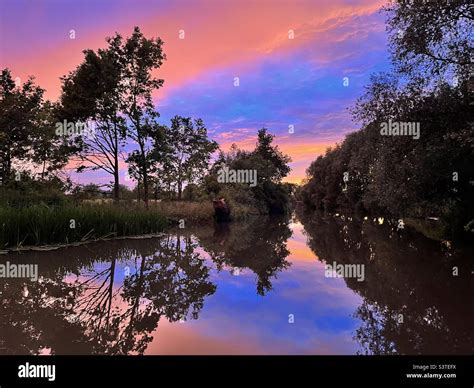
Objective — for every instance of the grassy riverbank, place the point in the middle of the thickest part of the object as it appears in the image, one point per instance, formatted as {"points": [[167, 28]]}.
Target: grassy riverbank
{"points": [[47, 225], [67, 223]]}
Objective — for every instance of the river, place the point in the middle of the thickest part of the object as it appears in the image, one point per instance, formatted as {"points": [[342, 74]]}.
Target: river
{"points": [[255, 287]]}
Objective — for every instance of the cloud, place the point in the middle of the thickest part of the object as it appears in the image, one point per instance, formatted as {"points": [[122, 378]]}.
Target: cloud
{"points": [[283, 81]]}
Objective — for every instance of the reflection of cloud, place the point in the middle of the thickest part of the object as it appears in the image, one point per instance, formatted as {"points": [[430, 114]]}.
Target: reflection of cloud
{"points": [[237, 321], [188, 339], [184, 339]]}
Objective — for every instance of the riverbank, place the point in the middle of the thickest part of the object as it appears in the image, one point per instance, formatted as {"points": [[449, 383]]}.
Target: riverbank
{"points": [[49, 248], [198, 211], [39, 225], [69, 224], [434, 228]]}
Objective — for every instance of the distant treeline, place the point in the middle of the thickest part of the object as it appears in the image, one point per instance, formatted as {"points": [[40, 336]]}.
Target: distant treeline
{"points": [[388, 168]]}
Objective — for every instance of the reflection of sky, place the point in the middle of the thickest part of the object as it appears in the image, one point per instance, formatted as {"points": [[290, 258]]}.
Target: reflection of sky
{"points": [[235, 320], [282, 81]]}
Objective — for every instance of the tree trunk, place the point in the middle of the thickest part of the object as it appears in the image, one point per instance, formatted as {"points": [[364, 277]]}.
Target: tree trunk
{"points": [[116, 169], [180, 190], [145, 187], [5, 168], [42, 172], [138, 191], [144, 171], [116, 181]]}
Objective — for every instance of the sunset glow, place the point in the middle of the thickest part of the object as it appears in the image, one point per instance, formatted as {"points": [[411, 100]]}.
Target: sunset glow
{"points": [[291, 62]]}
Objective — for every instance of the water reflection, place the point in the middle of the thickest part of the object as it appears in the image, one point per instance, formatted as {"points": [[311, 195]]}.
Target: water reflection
{"points": [[98, 307], [171, 283], [259, 245], [108, 298], [414, 299], [231, 288]]}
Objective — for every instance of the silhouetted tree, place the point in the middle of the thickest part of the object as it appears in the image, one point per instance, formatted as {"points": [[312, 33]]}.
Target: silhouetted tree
{"points": [[185, 153], [26, 128]]}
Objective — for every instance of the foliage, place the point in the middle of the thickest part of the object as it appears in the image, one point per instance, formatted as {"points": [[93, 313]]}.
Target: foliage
{"points": [[400, 175], [269, 195], [26, 129], [185, 153]]}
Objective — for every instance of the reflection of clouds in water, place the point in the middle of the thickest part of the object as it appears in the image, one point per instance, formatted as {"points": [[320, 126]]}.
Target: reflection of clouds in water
{"points": [[230, 334], [406, 275], [236, 319], [311, 285], [257, 338], [237, 315]]}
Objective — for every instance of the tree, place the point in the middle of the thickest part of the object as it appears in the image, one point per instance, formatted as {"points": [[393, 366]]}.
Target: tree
{"points": [[139, 57], [49, 150], [19, 108], [186, 152], [278, 162], [135, 170], [272, 166], [114, 87], [93, 92], [428, 37], [27, 130], [89, 191], [400, 175], [269, 195]]}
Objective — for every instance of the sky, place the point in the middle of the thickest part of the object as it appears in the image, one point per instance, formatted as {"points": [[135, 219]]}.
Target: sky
{"points": [[299, 63]]}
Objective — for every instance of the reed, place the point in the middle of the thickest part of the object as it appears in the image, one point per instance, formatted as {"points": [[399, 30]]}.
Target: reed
{"points": [[45, 225]]}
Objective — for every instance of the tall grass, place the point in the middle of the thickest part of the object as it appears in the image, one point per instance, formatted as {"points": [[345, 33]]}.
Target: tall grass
{"points": [[199, 211], [44, 225], [192, 211]]}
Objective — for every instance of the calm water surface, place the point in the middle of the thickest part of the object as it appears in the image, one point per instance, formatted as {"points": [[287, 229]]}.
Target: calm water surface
{"points": [[257, 287]]}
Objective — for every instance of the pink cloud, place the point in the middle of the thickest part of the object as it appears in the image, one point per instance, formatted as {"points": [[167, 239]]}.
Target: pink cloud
{"points": [[225, 33]]}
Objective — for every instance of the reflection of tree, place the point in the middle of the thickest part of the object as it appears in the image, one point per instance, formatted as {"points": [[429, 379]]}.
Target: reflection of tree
{"points": [[259, 245], [170, 284], [374, 324], [35, 317], [412, 302], [103, 312]]}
